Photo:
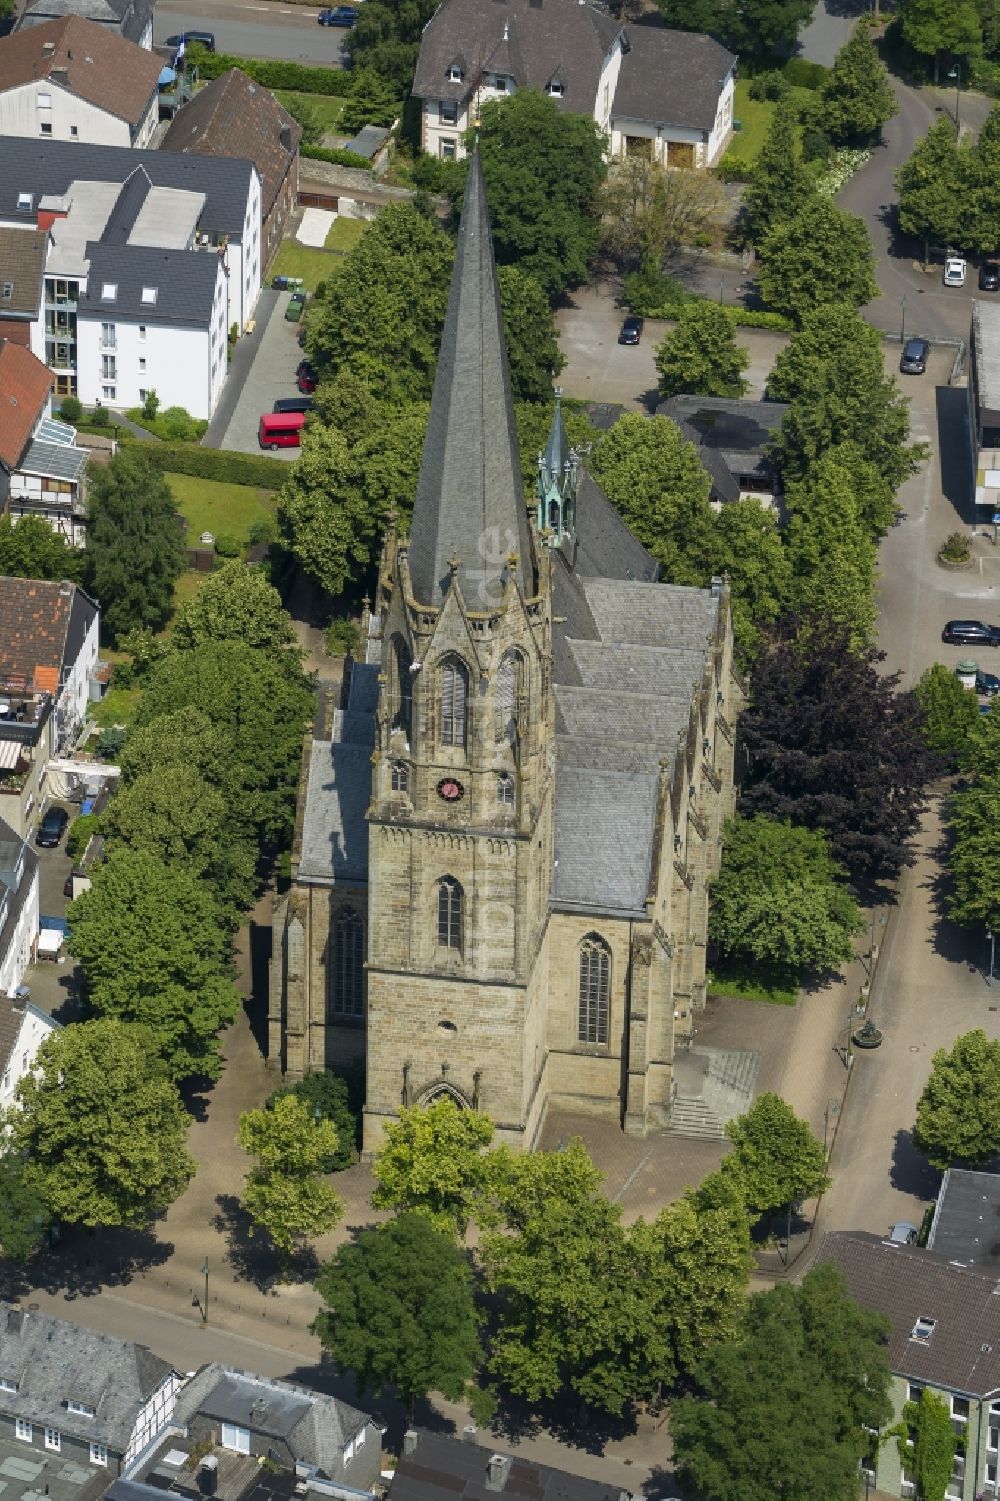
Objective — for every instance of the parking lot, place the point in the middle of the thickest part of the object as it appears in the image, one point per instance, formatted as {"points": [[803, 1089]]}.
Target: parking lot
{"points": [[271, 374]]}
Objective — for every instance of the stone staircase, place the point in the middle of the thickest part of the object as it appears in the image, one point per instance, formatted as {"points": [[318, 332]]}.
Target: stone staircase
{"points": [[711, 1086], [693, 1118]]}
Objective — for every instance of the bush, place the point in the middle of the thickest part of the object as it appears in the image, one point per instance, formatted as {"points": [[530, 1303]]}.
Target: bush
{"points": [[228, 547], [274, 74], [816, 145], [71, 409], [651, 295], [341, 637], [805, 75], [338, 157], [150, 406], [264, 530], [769, 86], [82, 831], [957, 548], [735, 169], [329, 1094], [177, 422], [110, 742], [214, 463], [100, 417]]}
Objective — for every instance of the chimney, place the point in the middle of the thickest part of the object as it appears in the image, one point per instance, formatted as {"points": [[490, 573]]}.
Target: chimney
{"points": [[497, 1471], [208, 1475], [717, 586], [285, 137], [410, 1441], [470, 1433]]}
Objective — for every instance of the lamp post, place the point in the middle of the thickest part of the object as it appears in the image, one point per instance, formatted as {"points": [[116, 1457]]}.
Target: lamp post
{"points": [[902, 319], [849, 1050], [204, 1306], [956, 73], [992, 937], [722, 287]]}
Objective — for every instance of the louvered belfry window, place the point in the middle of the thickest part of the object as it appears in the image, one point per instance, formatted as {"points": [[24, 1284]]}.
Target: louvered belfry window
{"points": [[454, 701]]}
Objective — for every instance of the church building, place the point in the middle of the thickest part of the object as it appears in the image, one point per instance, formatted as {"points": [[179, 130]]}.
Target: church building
{"points": [[508, 822]]}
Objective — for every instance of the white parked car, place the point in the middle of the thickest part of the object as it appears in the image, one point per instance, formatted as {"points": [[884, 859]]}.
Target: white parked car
{"points": [[954, 271]]}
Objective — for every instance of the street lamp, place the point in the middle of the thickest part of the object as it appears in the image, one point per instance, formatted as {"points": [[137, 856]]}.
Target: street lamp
{"points": [[204, 1306], [902, 323], [992, 937], [956, 73], [722, 287], [849, 1050]]}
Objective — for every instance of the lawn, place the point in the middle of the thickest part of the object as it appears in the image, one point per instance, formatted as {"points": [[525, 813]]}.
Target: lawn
{"points": [[116, 707], [312, 265], [325, 107], [755, 117], [225, 510], [344, 233], [753, 982]]}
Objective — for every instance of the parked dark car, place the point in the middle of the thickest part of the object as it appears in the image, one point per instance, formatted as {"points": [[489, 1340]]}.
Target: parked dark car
{"points": [[204, 39], [987, 683], [631, 330], [338, 15], [913, 360], [293, 404], [989, 276], [970, 633], [305, 377], [52, 828]]}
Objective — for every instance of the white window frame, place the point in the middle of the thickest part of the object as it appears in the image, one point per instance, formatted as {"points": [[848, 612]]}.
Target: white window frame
{"points": [[923, 1329], [6, 1385], [98, 1454], [53, 1440], [447, 111], [232, 1437], [455, 74], [22, 1430], [109, 291], [81, 1409]]}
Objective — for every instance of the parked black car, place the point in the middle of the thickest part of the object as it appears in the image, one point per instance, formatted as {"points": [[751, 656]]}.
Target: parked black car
{"points": [[987, 683], [338, 15], [52, 828], [293, 404], [970, 633], [631, 330], [989, 276], [913, 360], [204, 39]]}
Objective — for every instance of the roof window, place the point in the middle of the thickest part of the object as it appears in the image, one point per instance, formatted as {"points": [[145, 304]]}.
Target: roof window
{"points": [[149, 294], [455, 73], [6, 1385], [923, 1329], [82, 1408], [556, 88], [109, 291], [24, 200]]}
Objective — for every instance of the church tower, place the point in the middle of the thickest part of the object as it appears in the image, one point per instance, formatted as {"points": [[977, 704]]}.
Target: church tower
{"points": [[460, 823]]}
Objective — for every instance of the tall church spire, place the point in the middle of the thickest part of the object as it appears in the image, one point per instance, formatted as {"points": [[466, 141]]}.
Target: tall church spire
{"points": [[469, 515]]}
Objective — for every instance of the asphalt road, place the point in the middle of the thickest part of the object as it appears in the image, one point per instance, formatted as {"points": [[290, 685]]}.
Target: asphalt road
{"points": [[250, 29]]}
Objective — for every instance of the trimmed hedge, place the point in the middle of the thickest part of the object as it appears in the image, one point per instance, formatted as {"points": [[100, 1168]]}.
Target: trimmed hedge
{"points": [[338, 158], [274, 74], [804, 74], [218, 464], [665, 297]]}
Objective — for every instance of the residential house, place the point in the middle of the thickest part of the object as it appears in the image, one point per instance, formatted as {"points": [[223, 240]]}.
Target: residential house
{"points": [[48, 657], [733, 439], [42, 471], [944, 1337], [152, 255], [226, 1422], [984, 407], [435, 1464], [20, 1033], [22, 268], [234, 116], [69, 1396], [23, 1029], [966, 1219], [655, 92], [73, 80], [131, 19]]}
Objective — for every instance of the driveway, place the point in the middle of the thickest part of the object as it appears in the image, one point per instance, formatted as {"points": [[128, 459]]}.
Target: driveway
{"points": [[270, 374]]}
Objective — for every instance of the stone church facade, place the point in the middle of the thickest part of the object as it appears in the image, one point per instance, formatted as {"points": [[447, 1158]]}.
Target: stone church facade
{"points": [[508, 821]]}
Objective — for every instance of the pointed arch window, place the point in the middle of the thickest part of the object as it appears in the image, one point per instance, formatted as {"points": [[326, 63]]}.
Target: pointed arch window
{"points": [[451, 902], [402, 688], [400, 776], [347, 967], [506, 790], [595, 980], [454, 701], [509, 697]]}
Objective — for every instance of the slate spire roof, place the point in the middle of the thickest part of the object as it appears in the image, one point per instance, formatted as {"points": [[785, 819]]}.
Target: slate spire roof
{"points": [[469, 514]]}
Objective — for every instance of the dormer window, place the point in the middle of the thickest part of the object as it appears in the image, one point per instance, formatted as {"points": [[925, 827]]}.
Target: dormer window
{"points": [[82, 1409], [149, 294], [456, 73], [6, 1385], [109, 291], [24, 201], [923, 1329], [556, 88]]}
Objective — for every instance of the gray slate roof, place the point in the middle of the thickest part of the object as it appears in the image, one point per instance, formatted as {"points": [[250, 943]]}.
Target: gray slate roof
{"points": [[53, 1361], [444, 1466], [334, 826], [469, 502], [128, 17], [906, 1284], [49, 167], [966, 1225], [185, 282], [605, 547], [671, 77], [731, 436]]}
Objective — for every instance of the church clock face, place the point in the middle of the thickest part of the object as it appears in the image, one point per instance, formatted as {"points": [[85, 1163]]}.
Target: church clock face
{"points": [[450, 790]]}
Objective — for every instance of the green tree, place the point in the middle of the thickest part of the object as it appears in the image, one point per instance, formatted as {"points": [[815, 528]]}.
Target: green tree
{"points": [[326, 1096], [832, 373], [748, 547], [780, 185], [261, 701], [933, 186], [399, 1311], [779, 898], [951, 716], [432, 1161], [700, 357], [101, 1126], [857, 96], [373, 100], [932, 1457], [304, 113], [285, 1194], [382, 316], [656, 480], [821, 255], [981, 220], [830, 554], [958, 1114], [530, 329], [931, 27], [801, 1432], [518, 1185], [236, 603], [135, 542], [776, 1160], [759, 28], [649, 211], [974, 861], [386, 39], [23, 1211], [30, 549], [185, 737], [152, 950], [543, 170]]}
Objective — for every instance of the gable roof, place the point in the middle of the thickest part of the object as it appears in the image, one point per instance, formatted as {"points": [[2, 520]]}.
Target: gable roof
{"points": [[184, 282], [433, 1465], [234, 116], [93, 62], [53, 1361], [906, 1283], [25, 384], [42, 627], [531, 41], [128, 17], [671, 76], [732, 436], [22, 266]]}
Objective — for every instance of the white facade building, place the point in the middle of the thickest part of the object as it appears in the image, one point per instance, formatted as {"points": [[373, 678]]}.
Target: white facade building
{"points": [[49, 109], [20, 1033], [28, 1028]]}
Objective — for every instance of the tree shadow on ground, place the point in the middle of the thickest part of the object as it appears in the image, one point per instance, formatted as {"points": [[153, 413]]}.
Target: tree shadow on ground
{"points": [[249, 1251], [82, 1263], [256, 1003], [572, 1423], [72, 1007], [662, 1485], [910, 1171], [949, 939]]}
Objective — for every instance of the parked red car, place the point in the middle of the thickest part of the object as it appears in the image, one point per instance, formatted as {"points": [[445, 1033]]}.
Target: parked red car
{"points": [[305, 378]]}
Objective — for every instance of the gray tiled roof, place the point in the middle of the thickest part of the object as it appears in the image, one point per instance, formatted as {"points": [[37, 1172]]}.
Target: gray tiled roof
{"points": [[906, 1284], [338, 789], [128, 17], [986, 346], [442, 1466], [732, 437], [53, 1361], [22, 266], [671, 77], [185, 282], [49, 167], [469, 503]]}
